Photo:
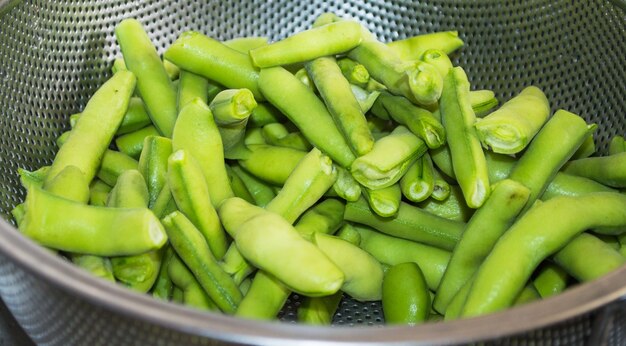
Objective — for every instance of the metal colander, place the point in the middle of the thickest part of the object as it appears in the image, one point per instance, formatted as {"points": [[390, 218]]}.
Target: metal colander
{"points": [[55, 54]]}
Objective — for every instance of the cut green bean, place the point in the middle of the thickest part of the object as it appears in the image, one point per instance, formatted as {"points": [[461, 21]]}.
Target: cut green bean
{"points": [[586, 149], [319, 310], [468, 159], [346, 186], [265, 114], [307, 112], [264, 299], [390, 158], [153, 82], [231, 109], [441, 188], [197, 133], [190, 87], [528, 294], [413, 48], [234, 264], [271, 163], [417, 184], [97, 266], [483, 101], [617, 145], [409, 223], [70, 184], [337, 95], [365, 98], [608, 170], [98, 193], [354, 72], [204, 56], [260, 191], [405, 298], [153, 164], [239, 188], [384, 202], [550, 280], [193, 294], [325, 217], [453, 207], [439, 59], [511, 128], [330, 39], [131, 143], [163, 285]]}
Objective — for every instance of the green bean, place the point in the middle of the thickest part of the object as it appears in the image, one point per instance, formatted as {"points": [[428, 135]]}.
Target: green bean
{"points": [[235, 264], [420, 121], [303, 76], [245, 44], [550, 280], [453, 207], [153, 164], [91, 230], [192, 196], [390, 158], [365, 98], [528, 294], [97, 266], [417, 184], [483, 101], [539, 164], [131, 143], [98, 193], [71, 183], [266, 239], [271, 163], [190, 87], [261, 193], [62, 138], [264, 299], [330, 39], [441, 188], [455, 308], [513, 259], [346, 186], [587, 258], [265, 114], [204, 56], [164, 203], [136, 117], [483, 230], [325, 217], [100, 119], [354, 72], [413, 48], [350, 234], [384, 202], [337, 95], [608, 170], [409, 223], [239, 188], [214, 89], [405, 296], [363, 274], [439, 59], [586, 149], [511, 128], [190, 245], [278, 135], [193, 293], [171, 69], [163, 285], [319, 310], [231, 109], [308, 182], [197, 133], [153, 82], [113, 164], [130, 191], [118, 65], [617, 145], [468, 160], [307, 112]]}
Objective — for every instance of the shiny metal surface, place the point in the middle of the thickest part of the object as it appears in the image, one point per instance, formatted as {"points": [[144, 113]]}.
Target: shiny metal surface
{"points": [[55, 54]]}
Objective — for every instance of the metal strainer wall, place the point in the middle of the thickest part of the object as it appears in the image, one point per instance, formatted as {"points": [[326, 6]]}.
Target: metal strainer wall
{"points": [[55, 54]]}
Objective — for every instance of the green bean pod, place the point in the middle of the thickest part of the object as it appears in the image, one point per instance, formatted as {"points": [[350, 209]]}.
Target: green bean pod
{"points": [[529, 294], [365, 98], [468, 160], [550, 280], [136, 117], [331, 39], [266, 239], [453, 207], [516, 255], [341, 103], [405, 297], [277, 134], [97, 266], [91, 230], [510, 129], [197, 133], [539, 164], [608, 170], [190, 87], [204, 56], [587, 258], [354, 72], [193, 293], [617, 145], [325, 217], [308, 182], [153, 82], [483, 230], [438, 59], [191, 193], [420, 121], [261, 193], [99, 193], [153, 164], [418, 183], [264, 299], [586, 149], [390, 158], [235, 264], [319, 310], [190, 245], [346, 186], [409, 223], [113, 164], [384, 202], [483, 101], [413, 48], [71, 183], [239, 188], [100, 119], [307, 112], [441, 188], [231, 109], [271, 163], [131, 143]]}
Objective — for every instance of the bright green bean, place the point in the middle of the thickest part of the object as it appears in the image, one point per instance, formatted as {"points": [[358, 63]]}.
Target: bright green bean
{"points": [[483, 101], [527, 295], [441, 188], [265, 114], [354, 72], [239, 188], [231, 109], [153, 164], [453, 207], [193, 293], [417, 184], [131, 143], [325, 217], [319, 310], [384, 202], [365, 98], [405, 298], [271, 163], [346, 186], [153, 82], [550, 280], [245, 44], [261, 192], [99, 193], [608, 170], [136, 117], [413, 48], [586, 149], [439, 59], [264, 299], [190, 87], [617, 145], [163, 285], [235, 264]]}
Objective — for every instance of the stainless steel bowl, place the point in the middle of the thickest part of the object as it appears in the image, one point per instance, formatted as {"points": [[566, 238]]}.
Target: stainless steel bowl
{"points": [[55, 54]]}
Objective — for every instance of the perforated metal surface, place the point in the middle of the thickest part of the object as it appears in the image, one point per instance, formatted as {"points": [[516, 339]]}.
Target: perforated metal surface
{"points": [[55, 54]]}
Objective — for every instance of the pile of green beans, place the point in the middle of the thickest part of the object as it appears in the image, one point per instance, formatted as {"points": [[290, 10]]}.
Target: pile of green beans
{"points": [[226, 175]]}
